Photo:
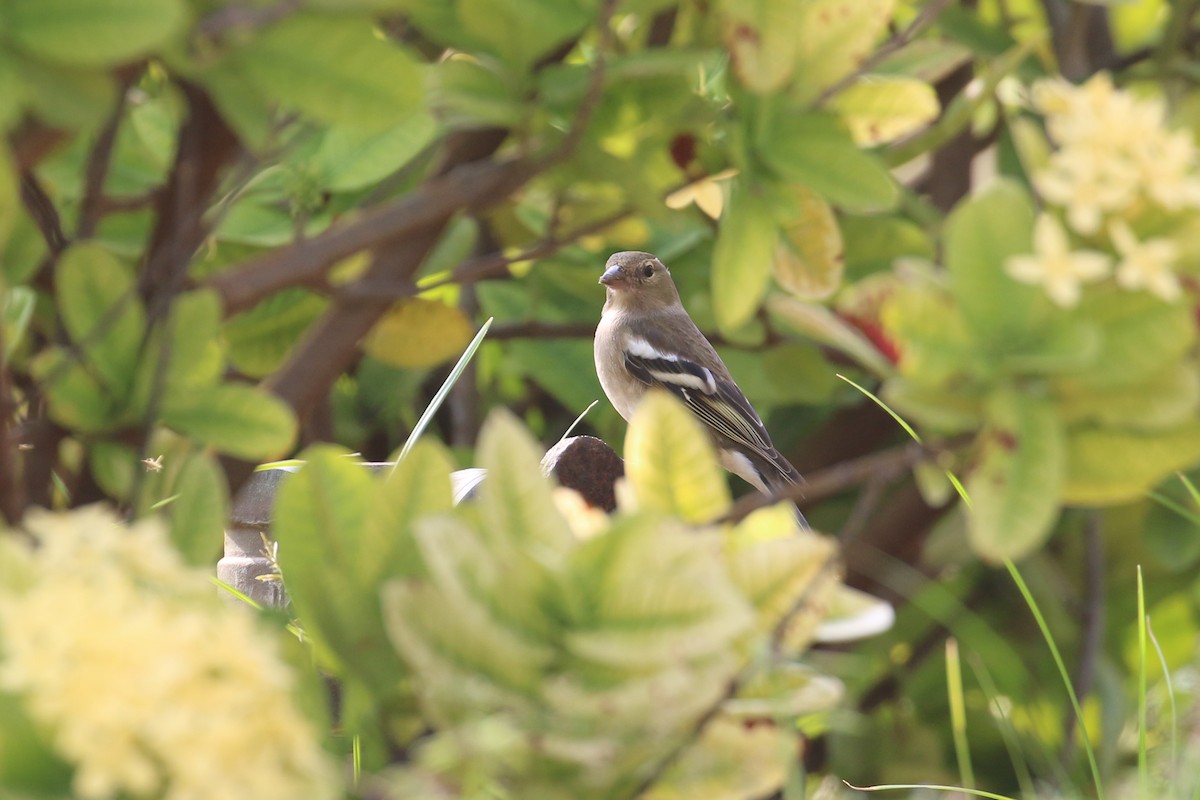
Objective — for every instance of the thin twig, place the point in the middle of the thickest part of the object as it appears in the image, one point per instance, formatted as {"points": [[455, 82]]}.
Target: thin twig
{"points": [[99, 159], [594, 90], [840, 477], [924, 19], [45, 215], [1093, 624]]}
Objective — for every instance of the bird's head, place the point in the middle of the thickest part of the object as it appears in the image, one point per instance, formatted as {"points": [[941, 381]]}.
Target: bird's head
{"points": [[636, 279]]}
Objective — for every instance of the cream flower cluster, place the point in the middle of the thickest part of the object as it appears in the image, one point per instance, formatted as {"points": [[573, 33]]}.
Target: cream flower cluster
{"points": [[144, 679], [1115, 159]]}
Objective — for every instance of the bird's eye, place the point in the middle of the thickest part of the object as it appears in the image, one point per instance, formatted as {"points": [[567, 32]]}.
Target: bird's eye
{"points": [[647, 270]]}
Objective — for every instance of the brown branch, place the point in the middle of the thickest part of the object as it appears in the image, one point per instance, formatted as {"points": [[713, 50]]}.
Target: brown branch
{"points": [[468, 187], [99, 159], [206, 145], [32, 141], [45, 215]]}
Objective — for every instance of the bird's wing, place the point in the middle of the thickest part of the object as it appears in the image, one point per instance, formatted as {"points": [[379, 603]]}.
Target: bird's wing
{"points": [[710, 394]]}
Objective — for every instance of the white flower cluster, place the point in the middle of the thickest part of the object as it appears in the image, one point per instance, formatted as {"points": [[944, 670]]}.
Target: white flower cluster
{"points": [[143, 678], [1115, 159]]}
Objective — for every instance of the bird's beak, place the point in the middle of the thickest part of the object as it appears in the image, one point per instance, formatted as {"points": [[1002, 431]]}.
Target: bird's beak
{"points": [[612, 275]]}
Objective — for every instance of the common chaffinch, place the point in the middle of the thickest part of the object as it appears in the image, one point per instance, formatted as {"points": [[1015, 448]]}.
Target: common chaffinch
{"points": [[646, 339]]}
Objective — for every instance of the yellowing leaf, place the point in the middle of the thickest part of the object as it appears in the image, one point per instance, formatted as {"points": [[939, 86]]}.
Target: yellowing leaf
{"points": [[880, 109], [419, 333], [773, 562], [1107, 466], [762, 37], [835, 37], [729, 760], [742, 258], [670, 461], [809, 259]]}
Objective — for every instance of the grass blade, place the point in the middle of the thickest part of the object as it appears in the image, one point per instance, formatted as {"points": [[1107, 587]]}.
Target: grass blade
{"points": [[936, 787], [1062, 671], [1143, 766], [442, 393], [958, 714]]}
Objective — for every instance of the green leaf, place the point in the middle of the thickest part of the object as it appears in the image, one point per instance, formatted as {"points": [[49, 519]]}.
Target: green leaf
{"points": [[763, 38], [809, 260], [199, 510], [259, 339], [981, 235], [102, 312], [1109, 466], [10, 199], [78, 400], [1142, 336], [113, 465], [470, 94], [12, 96], [879, 109], [335, 69], [1016, 483], [835, 38], [90, 32], [670, 461], [522, 31], [816, 150], [417, 487], [238, 420], [350, 159], [66, 97], [746, 243], [16, 309]]}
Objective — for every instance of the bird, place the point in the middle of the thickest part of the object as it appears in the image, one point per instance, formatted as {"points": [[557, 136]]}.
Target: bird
{"points": [[646, 340]]}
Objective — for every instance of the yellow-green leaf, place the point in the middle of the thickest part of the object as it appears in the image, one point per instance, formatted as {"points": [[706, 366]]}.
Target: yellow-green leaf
{"points": [[671, 463], [419, 333], [742, 257], [762, 37], [809, 259], [1016, 483], [1108, 466], [881, 108], [419, 485], [235, 419], [515, 498], [90, 32], [260, 338], [729, 759], [835, 38]]}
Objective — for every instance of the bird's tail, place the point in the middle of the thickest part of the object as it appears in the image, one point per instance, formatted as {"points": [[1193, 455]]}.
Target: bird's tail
{"points": [[779, 476]]}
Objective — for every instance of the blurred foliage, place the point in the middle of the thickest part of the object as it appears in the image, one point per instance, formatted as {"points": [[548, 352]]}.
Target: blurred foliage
{"points": [[232, 229]]}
